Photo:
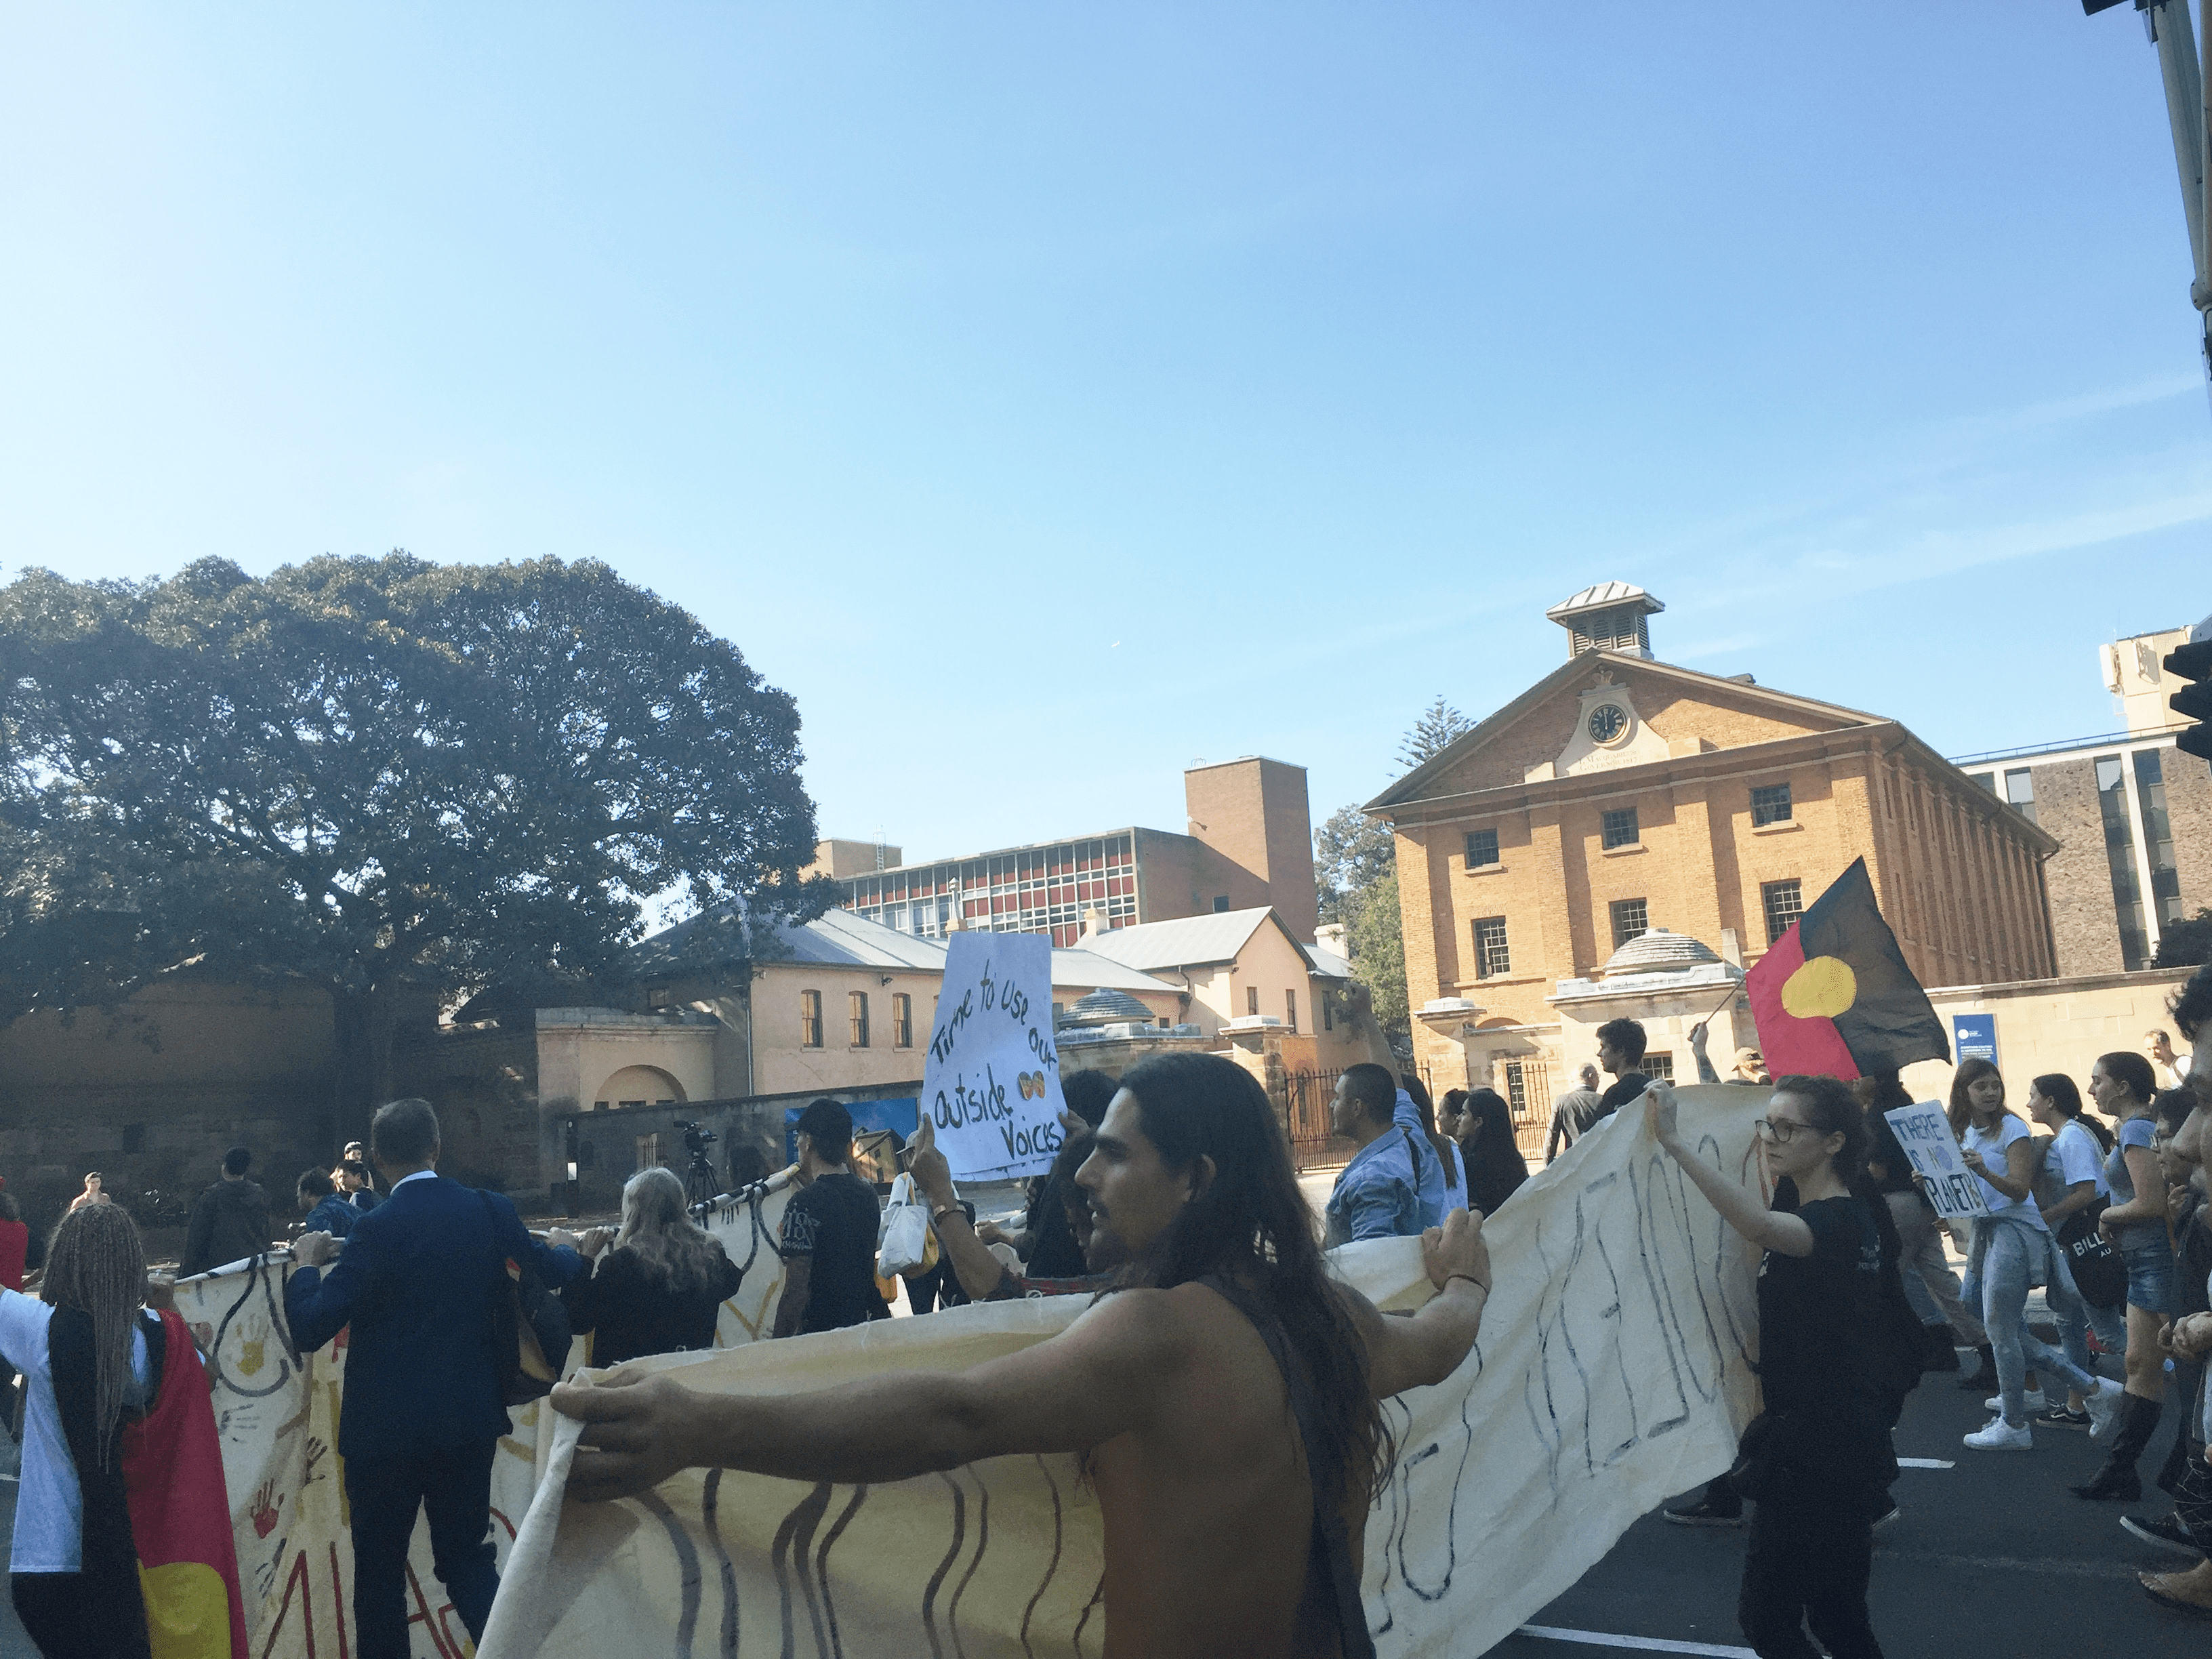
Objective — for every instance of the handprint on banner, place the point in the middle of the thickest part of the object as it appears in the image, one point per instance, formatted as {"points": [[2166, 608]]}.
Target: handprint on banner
{"points": [[253, 1345], [266, 1503], [315, 1450]]}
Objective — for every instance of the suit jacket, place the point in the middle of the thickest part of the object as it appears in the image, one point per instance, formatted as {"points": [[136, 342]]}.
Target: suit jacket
{"points": [[415, 1282]]}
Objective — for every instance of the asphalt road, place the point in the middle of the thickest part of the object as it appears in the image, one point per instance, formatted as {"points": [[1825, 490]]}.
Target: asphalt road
{"points": [[1993, 1556]]}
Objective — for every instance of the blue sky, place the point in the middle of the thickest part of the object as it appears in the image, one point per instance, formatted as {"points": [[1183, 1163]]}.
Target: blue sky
{"points": [[1049, 397]]}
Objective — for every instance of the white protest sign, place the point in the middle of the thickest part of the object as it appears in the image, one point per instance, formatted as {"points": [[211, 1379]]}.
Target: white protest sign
{"points": [[1926, 1134], [991, 1084]]}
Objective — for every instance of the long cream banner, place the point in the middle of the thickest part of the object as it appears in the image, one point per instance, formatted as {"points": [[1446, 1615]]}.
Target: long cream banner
{"points": [[1611, 1373], [278, 1418]]}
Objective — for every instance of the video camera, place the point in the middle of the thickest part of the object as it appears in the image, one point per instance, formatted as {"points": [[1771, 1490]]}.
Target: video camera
{"points": [[696, 1140]]}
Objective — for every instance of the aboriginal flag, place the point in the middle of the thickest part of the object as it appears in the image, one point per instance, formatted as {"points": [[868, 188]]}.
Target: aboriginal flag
{"points": [[1833, 995]]}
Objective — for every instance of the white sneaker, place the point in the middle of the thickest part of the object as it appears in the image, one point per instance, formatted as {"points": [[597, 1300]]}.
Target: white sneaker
{"points": [[2032, 1400], [2000, 1436], [2103, 1407]]}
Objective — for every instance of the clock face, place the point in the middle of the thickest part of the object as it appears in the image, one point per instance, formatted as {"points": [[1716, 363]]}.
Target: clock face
{"points": [[1606, 722]]}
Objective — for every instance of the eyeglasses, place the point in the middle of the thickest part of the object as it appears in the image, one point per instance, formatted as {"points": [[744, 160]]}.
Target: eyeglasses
{"points": [[1777, 1130]]}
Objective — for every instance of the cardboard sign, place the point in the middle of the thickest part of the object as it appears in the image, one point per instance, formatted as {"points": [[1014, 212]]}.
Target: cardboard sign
{"points": [[991, 1084], [1926, 1134]]}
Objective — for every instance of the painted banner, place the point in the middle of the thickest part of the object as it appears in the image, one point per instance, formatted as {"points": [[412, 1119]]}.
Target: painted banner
{"points": [[1924, 1132], [991, 1082], [1611, 1373], [276, 1414]]}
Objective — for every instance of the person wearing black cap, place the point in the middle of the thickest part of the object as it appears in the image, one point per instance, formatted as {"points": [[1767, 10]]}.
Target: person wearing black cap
{"points": [[828, 1241]]}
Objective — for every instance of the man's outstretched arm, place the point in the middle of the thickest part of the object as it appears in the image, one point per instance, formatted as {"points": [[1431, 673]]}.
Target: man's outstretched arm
{"points": [[1427, 1348], [1069, 1393]]}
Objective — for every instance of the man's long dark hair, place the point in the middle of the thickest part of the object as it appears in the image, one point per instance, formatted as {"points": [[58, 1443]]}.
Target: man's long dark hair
{"points": [[1252, 1225]]}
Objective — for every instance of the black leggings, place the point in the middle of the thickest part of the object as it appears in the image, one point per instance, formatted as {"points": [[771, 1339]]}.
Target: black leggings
{"points": [[79, 1616], [1808, 1561]]}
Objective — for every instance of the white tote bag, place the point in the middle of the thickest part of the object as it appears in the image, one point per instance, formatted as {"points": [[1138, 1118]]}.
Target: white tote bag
{"points": [[904, 1244]]}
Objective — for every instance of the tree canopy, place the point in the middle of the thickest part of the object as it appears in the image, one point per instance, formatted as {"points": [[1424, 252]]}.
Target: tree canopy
{"points": [[1355, 871], [1439, 726], [375, 775]]}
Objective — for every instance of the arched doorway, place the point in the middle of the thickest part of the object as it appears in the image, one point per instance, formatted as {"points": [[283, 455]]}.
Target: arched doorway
{"points": [[638, 1086]]}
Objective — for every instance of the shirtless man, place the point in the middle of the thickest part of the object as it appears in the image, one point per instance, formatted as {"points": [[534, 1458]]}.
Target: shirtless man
{"points": [[1216, 1542]]}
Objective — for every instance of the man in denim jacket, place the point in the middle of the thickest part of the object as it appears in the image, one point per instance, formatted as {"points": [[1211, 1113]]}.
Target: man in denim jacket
{"points": [[1394, 1181]]}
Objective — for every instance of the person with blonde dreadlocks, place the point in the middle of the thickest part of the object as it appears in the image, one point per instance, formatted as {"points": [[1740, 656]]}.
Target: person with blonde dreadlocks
{"points": [[122, 1469]]}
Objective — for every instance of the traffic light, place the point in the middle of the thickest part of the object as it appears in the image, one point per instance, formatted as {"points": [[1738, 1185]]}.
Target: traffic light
{"points": [[2092, 7], [2193, 662]]}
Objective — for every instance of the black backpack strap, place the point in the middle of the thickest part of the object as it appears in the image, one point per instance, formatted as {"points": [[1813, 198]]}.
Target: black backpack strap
{"points": [[1332, 1547]]}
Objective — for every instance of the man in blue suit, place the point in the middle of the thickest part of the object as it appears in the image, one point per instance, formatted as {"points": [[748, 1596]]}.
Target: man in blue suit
{"points": [[422, 1413]]}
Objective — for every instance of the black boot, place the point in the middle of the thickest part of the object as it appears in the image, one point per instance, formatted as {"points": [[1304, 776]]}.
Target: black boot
{"points": [[1984, 1378], [1942, 1354], [2118, 1478]]}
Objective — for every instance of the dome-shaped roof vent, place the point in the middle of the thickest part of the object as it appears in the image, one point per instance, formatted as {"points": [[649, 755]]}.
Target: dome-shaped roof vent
{"points": [[1657, 951], [1106, 1007]]}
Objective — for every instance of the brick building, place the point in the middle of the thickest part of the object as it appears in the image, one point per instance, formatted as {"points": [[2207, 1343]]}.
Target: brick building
{"points": [[1249, 846], [1620, 794], [2132, 815]]}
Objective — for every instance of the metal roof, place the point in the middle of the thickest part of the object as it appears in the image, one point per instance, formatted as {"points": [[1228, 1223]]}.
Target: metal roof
{"points": [[1187, 941], [1326, 963], [840, 939], [1604, 594]]}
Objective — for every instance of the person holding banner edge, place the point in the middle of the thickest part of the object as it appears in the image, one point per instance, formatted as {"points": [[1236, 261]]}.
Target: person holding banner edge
{"points": [[1224, 1534], [1816, 1462]]}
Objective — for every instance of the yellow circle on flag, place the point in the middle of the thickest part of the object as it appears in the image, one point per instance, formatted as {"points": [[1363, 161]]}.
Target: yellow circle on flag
{"points": [[1821, 989]]}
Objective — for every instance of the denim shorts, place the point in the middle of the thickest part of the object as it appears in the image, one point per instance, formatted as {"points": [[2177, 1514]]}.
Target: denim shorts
{"points": [[2150, 1278]]}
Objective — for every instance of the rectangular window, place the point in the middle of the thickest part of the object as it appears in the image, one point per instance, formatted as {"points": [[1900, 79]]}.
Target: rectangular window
{"points": [[1661, 1065], [903, 1019], [1770, 804], [2019, 791], [649, 1152], [1220, 903], [2120, 858], [1481, 847], [2158, 836], [859, 1019], [1328, 1011], [1516, 1088], [1251, 999], [810, 1019], [1620, 827], [1492, 956], [1987, 780], [1783, 902], [1291, 1009], [1631, 919]]}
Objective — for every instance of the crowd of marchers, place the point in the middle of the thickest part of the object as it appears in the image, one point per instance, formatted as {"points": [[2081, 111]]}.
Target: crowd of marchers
{"points": [[1173, 1208]]}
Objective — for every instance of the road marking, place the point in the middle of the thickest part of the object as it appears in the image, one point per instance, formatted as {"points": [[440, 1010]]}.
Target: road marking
{"points": [[2063, 1566], [1598, 1639], [1925, 1463]]}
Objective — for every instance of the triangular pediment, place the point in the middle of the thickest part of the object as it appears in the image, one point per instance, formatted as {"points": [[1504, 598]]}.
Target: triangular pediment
{"points": [[1603, 710]]}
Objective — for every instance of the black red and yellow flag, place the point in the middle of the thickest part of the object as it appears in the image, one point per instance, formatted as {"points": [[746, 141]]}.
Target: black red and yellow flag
{"points": [[1833, 995]]}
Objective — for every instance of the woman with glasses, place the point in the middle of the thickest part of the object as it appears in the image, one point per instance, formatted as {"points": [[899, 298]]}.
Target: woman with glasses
{"points": [[2122, 1084], [2012, 1250], [1816, 1462]]}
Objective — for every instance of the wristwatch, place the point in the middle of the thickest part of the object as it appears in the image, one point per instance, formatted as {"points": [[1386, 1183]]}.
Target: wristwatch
{"points": [[943, 1210]]}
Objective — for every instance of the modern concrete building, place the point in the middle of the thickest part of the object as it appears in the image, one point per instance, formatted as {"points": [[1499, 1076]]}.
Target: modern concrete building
{"points": [[1621, 794], [1249, 845], [2132, 815]]}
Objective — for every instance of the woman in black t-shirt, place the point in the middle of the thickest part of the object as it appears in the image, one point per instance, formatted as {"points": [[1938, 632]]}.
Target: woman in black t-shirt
{"points": [[661, 1288], [1816, 1461]]}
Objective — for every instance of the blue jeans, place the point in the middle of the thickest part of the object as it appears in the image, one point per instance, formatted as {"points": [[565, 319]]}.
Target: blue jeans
{"points": [[2008, 1255]]}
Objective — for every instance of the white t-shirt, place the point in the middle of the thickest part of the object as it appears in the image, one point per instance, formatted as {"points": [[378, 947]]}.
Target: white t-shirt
{"points": [[2079, 1158], [1991, 1145], [1456, 1195], [48, 1504]]}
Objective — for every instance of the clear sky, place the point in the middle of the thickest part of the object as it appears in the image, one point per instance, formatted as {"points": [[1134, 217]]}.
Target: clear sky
{"points": [[1050, 396]]}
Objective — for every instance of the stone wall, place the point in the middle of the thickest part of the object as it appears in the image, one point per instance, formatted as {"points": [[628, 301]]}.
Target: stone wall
{"points": [[2054, 1025], [2084, 926]]}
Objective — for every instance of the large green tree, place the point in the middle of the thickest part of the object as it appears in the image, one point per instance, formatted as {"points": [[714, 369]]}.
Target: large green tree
{"points": [[381, 776], [1355, 869]]}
